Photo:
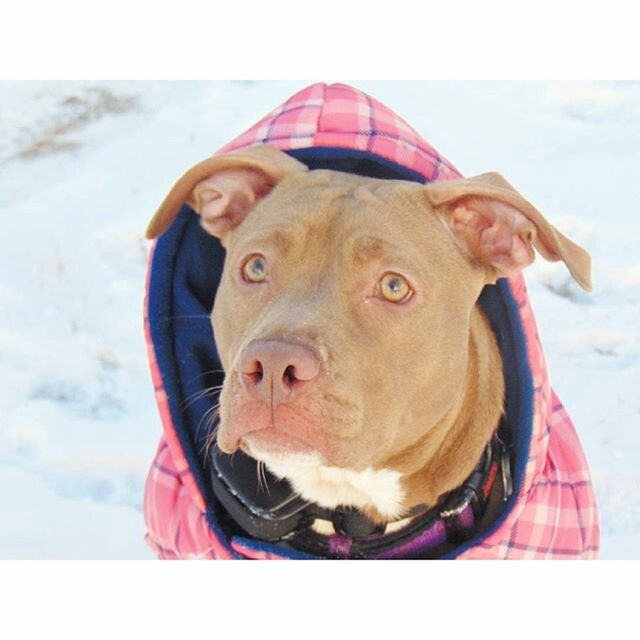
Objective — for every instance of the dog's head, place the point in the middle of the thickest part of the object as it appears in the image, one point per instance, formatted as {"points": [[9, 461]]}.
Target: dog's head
{"points": [[343, 315]]}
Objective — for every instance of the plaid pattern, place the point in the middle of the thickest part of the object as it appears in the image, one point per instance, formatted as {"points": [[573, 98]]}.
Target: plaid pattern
{"points": [[340, 116], [555, 514]]}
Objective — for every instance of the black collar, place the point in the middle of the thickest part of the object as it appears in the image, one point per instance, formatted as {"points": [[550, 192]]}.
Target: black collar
{"points": [[270, 511]]}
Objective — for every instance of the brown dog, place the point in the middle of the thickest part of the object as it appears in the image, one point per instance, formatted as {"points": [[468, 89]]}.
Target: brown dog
{"points": [[358, 364]]}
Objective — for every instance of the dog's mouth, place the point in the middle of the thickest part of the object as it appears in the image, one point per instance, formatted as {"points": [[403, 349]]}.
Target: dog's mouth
{"points": [[299, 427], [256, 428], [318, 420], [272, 442]]}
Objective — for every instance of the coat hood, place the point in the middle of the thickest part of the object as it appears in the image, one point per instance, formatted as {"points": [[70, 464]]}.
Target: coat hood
{"points": [[552, 512]]}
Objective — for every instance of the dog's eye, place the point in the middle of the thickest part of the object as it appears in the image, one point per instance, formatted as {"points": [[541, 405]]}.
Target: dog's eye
{"points": [[395, 288], [255, 268]]}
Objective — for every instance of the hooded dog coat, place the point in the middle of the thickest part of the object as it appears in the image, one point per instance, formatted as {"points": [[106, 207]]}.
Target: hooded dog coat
{"points": [[552, 511]]}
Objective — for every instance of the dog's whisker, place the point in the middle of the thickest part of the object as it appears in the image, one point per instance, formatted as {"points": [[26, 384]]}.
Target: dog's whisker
{"points": [[211, 440], [211, 443], [212, 420], [259, 476], [264, 477], [207, 373], [189, 317], [198, 395], [208, 418]]}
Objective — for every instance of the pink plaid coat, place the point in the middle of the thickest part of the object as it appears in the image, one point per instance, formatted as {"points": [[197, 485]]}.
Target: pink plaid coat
{"points": [[554, 514]]}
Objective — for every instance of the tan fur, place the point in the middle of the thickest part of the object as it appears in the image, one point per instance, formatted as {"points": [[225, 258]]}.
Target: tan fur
{"points": [[414, 388]]}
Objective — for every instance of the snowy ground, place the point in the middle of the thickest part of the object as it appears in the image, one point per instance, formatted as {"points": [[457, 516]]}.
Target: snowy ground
{"points": [[82, 167]]}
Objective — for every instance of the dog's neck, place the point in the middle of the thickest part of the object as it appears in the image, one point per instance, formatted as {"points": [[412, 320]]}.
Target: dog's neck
{"points": [[437, 463], [447, 453]]}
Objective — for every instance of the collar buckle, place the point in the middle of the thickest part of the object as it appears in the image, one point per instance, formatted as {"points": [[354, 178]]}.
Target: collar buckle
{"points": [[464, 508]]}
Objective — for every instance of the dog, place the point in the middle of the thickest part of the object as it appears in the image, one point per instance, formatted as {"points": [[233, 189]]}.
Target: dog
{"points": [[359, 366], [381, 384]]}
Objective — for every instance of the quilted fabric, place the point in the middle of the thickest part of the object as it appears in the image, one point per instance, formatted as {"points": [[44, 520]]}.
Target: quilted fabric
{"points": [[554, 513]]}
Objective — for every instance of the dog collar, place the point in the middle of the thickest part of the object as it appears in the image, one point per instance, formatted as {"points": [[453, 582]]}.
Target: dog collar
{"points": [[268, 509]]}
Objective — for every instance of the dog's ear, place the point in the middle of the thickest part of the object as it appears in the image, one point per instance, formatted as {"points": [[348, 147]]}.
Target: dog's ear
{"points": [[223, 189], [496, 226]]}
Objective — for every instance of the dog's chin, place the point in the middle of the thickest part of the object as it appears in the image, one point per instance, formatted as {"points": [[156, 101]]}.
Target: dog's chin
{"points": [[279, 450]]}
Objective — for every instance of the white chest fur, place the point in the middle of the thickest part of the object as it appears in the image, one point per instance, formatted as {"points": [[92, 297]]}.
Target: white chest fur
{"points": [[331, 487]]}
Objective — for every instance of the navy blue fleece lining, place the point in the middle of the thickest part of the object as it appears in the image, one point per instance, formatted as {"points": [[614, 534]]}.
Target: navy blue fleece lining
{"points": [[501, 308], [361, 163], [266, 547], [186, 270]]}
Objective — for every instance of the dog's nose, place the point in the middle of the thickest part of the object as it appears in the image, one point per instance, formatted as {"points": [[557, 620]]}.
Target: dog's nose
{"points": [[276, 370]]}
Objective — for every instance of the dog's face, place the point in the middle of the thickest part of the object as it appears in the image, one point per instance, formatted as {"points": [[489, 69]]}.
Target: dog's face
{"points": [[342, 331], [343, 315]]}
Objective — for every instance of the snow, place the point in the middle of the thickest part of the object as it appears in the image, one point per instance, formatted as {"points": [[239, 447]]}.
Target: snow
{"points": [[83, 166]]}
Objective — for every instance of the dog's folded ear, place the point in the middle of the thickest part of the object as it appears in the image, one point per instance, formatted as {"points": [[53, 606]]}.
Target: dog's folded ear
{"points": [[223, 189], [496, 226]]}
